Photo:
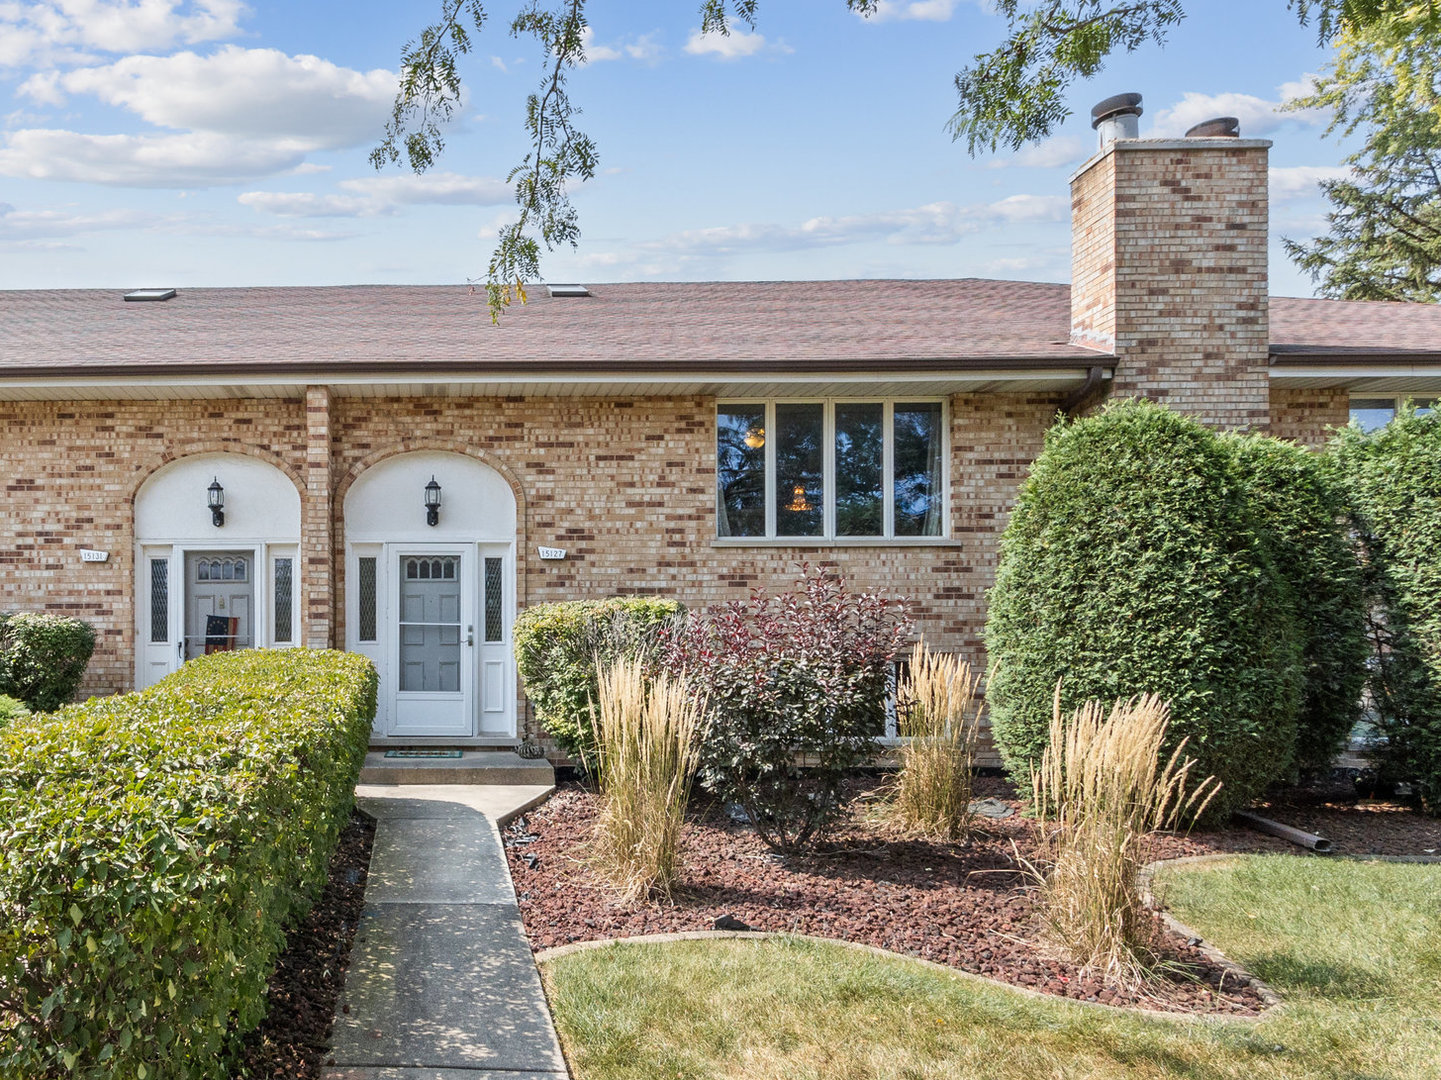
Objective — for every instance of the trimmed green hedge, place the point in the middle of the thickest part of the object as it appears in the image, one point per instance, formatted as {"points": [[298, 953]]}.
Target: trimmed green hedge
{"points": [[1393, 477], [1132, 563], [153, 850], [1305, 520], [43, 657], [555, 651]]}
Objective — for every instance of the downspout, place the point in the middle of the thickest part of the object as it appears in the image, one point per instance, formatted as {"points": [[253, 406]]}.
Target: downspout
{"points": [[1078, 397]]}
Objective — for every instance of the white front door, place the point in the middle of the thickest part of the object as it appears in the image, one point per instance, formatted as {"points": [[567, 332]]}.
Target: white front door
{"points": [[434, 641]]}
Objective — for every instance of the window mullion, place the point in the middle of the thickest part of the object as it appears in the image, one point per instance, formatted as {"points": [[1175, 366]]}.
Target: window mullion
{"points": [[770, 467], [828, 469], [888, 523]]}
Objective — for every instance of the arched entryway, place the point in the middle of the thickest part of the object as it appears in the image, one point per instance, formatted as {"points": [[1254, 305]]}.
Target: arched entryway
{"points": [[214, 577], [430, 595]]}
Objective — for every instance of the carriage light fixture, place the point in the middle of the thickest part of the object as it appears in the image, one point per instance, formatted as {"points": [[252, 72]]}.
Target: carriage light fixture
{"points": [[215, 499], [432, 502]]}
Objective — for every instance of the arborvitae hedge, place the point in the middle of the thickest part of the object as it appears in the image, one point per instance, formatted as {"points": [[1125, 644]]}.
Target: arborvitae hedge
{"points": [[43, 657], [1393, 478], [155, 847], [1304, 516], [1133, 563], [555, 651]]}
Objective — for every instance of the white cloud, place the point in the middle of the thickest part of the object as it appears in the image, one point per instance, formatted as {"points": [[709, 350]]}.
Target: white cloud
{"points": [[1052, 154], [445, 188], [380, 196], [194, 159], [733, 46], [32, 226], [1293, 181], [644, 48], [44, 32], [236, 115], [934, 223], [1258, 116], [253, 93], [310, 204], [921, 10]]}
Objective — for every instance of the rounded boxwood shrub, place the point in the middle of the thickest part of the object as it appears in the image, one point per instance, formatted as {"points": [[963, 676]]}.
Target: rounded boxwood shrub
{"points": [[1393, 479], [1132, 564], [1303, 515], [43, 657], [556, 647]]}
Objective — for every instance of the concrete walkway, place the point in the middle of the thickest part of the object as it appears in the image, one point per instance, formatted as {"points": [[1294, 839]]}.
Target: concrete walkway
{"points": [[441, 984]]}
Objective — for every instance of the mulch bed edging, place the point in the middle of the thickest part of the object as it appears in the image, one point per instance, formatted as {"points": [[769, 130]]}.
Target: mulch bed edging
{"points": [[956, 905], [1272, 999]]}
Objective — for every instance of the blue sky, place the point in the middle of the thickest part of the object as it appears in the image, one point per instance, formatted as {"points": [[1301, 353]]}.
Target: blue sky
{"points": [[214, 142]]}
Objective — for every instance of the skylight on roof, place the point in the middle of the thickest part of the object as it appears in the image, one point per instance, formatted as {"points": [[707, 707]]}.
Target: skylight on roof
{"points": [[150, 294], [568, 290]]}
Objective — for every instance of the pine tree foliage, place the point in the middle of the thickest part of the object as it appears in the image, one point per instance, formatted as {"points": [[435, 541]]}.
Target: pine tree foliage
{"points": [[1384, 238]]}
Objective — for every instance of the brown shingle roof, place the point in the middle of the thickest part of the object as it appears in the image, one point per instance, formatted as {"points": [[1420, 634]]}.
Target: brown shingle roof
{"points": [[1353, 329], [675, 326], [672, 327]]}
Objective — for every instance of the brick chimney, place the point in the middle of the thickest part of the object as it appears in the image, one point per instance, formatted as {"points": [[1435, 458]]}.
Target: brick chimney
{"points": [[1168, 269]]}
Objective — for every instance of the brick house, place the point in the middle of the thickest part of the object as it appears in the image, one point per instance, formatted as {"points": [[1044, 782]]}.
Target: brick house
{"points": [[258, 466]]}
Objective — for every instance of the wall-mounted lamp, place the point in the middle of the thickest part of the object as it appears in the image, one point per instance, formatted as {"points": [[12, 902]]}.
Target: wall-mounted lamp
{"points": [[215, 499], [432, 502], [755, 438]]}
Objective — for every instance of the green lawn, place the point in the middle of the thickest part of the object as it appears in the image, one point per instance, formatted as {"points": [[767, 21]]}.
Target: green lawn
{"points": [[1354, 948]]}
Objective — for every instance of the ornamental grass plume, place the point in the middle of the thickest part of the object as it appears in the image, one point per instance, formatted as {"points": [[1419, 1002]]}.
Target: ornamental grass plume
{"points": [[1099, 791], [936, 710], [648, 734]]}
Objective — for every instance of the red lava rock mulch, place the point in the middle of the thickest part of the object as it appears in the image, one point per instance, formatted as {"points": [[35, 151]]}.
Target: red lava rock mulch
{"points": [[293, 1041], [956, 904]]}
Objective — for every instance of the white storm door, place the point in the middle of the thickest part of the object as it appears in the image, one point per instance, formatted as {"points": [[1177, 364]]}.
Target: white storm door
{"points": [[157, 628], [434, 642]]}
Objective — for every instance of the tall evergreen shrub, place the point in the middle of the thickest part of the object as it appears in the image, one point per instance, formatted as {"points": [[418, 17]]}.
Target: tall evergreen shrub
{"points": [[1303, 516], [1393, 479], [1132, 564]]}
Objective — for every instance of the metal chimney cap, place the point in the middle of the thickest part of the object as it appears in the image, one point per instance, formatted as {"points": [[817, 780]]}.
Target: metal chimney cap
{"points": [[1116, 105], [1222, 127]]}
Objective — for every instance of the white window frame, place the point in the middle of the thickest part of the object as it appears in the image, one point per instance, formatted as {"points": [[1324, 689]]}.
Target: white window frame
{"points": [[828, 469]]}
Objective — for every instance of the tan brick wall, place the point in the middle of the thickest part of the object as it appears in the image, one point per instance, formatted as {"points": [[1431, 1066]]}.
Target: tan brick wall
{"points": [[71, 473], [1304, 416], [1169, 265], [627, 486]]}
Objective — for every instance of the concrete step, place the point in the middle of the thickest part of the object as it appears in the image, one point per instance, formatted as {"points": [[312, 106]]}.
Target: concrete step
{"points": [[472, 767]]}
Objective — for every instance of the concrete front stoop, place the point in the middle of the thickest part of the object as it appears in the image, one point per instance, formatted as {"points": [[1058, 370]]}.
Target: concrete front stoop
{"points": [[472, 767], [442, 984]]}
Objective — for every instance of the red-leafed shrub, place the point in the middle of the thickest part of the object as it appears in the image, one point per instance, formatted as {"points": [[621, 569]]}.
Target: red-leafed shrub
{"points": [[796, 687]]}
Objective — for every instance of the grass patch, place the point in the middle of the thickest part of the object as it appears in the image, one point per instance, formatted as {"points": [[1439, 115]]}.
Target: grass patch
{"points": [[1352, 946]]}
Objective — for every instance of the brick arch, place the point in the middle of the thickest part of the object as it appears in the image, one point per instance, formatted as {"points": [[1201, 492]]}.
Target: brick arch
{"points": [[211, 446], [434, 446]]}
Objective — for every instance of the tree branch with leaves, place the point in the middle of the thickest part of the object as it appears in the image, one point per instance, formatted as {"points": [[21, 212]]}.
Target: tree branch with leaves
{"points": [[1012, 95]]}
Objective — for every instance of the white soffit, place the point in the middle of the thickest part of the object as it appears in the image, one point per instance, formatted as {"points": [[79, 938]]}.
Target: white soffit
{"points": [[180, 388]]}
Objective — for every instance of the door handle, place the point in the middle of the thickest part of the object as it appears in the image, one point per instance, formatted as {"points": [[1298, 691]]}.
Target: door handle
{"points": [[470, 636]]}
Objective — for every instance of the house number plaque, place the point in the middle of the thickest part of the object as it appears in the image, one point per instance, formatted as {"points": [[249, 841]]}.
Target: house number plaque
{"points": [[552, 553], [91, 555]]}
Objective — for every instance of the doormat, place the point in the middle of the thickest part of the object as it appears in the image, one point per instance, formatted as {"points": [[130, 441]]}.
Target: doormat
{"points": [[423, 753]]}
